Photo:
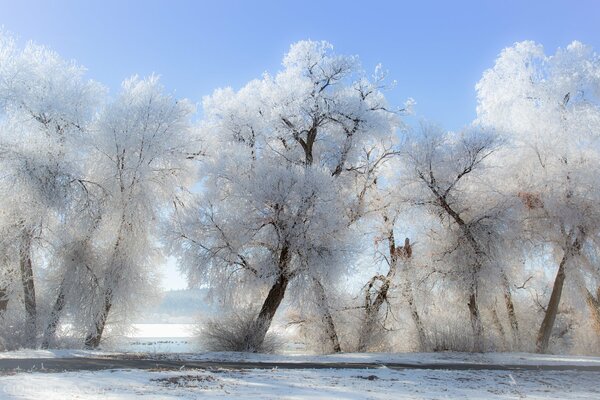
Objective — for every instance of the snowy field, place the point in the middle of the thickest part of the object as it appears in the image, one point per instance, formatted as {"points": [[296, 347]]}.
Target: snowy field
{"points": [[301, 384]]}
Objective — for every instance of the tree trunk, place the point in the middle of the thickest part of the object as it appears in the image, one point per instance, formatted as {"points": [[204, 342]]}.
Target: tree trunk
{"points": [[499, 327], [3, 300], [327, 317], [262, 324], [594, 306], [59, 304], [372, 309], [28, 288], [92, 340], [255, 339], [545, 331], [475, 316], [410, 299], [510, 309]]}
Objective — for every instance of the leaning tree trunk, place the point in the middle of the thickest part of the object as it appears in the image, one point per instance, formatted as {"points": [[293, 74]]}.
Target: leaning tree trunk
{"points": [[59, 304], [327, 317], [543, 336], [28, 288], [93, 338], [256, 338]]}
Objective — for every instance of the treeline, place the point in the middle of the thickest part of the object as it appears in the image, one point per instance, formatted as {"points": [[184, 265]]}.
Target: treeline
{"points": [[307, 187]]}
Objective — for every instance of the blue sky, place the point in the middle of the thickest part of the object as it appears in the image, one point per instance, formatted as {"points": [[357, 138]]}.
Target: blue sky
{"points": [[436, 50]]}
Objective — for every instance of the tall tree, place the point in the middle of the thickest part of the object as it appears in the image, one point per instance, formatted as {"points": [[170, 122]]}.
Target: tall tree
{"points": [[47, 105], [283, 160], [143, 145], [549, 108], [444, 172]]}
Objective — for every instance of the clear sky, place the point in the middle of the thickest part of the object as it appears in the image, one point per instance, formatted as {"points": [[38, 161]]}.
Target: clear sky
{"points": [[436, 50]]}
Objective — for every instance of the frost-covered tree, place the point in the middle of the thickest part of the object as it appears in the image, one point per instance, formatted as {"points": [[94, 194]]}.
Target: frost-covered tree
{"points": [[445, 173], [549, 108], [142, 144], [46, 106], [284, 160]]}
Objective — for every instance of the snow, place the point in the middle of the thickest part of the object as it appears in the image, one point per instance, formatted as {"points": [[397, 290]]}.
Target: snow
{"points": [[380, 383]]}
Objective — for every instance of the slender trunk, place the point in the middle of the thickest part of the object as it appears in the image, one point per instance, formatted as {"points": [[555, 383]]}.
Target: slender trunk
{"points": [[543, 336], [28, 288], [92, 340], [414, 313], [255, 339], [594, 306], [327, 317], [510, 309], [499, 327], [475, 316], [3, 299], [59, 304]]}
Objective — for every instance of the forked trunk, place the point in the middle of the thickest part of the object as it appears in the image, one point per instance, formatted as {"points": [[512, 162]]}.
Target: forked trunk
{"points": [[59, 304], [28, 288], [327, 317], [372, 308]]}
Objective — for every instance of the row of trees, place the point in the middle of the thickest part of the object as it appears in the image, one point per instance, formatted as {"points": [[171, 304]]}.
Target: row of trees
{"points": [[83, 182], [295, 189]]}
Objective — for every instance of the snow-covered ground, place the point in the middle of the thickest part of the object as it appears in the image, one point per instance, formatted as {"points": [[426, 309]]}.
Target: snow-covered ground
{"points": [[175, 341], [380, 383]]}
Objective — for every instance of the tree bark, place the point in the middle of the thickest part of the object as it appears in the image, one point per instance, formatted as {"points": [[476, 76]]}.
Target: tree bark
{"points": [[543, 336], [255, 339], [93, 339], [475, 316], [510, 309], [59, 304], [3, 300], [414, 313], [28, 288], [594, 306], [373, 307], [327, 317], [545, 331], [499, 327], [476, 324]]}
